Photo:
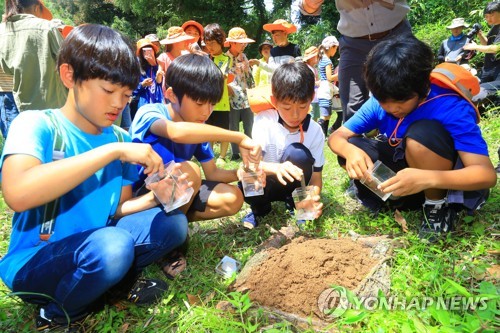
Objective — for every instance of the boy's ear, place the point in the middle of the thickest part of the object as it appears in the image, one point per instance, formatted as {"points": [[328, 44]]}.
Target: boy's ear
{"points": [[171, 96], [66, 75], [273, 100]]}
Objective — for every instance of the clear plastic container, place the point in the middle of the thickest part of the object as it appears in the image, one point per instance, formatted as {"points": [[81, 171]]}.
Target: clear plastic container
{"points": [[251, 183], [227, 266], [376, 176], [305, 206], [170, 190]]}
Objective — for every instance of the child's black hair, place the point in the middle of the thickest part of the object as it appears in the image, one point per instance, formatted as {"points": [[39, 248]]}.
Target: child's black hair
{"points": [[399, 69], [492, 7], [98, 52], [215, 32], [197, 77], [293, 82]]}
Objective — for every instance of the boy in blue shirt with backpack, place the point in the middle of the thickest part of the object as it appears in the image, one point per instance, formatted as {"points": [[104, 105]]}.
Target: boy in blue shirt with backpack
{"points": [[428, 134], [67, 173]]}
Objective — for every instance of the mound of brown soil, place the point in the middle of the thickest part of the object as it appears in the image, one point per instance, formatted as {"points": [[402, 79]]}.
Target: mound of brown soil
{"points": [[292, 277]]}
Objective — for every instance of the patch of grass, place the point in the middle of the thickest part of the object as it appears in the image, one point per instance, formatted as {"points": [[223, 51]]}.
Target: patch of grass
{"points": [[456, 266]]}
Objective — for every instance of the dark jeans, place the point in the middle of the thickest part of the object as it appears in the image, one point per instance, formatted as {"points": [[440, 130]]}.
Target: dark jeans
{"points": [[78, 269], [353, 52], [8, 111], [301, 157]]}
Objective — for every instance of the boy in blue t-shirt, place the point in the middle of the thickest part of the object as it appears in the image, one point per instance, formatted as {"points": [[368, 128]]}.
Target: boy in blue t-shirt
{"points": [[429, 136], [176, 131], [67, 173]]}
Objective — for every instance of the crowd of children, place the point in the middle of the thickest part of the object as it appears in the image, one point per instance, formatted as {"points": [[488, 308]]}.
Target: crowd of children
{"points": [[99, 225]]}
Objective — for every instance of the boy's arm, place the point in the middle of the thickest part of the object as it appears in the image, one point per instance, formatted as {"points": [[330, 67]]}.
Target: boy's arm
{"points": [[27, 183], [357, 161], [478, 173], [130, 204], [193, 133], [212, 172]]}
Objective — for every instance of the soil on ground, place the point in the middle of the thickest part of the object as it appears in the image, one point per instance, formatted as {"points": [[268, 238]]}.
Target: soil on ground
{"points": [[293, 276]]}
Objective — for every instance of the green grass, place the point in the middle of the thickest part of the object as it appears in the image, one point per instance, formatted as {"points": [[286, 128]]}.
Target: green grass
{"points": [[455, 266]]}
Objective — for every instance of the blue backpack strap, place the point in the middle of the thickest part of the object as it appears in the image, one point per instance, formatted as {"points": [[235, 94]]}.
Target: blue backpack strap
{"points": [[51, 209]]}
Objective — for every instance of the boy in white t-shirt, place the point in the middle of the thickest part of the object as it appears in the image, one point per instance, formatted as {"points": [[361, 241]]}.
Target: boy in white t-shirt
{"points": [[292, 144]]}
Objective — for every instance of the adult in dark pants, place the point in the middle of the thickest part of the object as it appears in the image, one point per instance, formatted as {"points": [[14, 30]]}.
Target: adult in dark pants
{"points": [[363, 24]]}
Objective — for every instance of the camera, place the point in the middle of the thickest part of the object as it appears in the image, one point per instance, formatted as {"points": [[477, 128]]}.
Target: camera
{"points": [[473, 31]]}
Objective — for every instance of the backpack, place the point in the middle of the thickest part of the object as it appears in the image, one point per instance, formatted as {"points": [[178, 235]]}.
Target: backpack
{"points": [[457, 78], [51, 209]]}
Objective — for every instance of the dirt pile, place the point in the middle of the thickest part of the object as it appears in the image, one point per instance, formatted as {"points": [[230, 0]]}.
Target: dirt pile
{"points": [[292, 277]]}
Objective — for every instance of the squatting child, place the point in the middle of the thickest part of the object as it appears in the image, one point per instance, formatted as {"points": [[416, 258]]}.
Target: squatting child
{"points": [[429, 136], [177, 132], [67, 173], [292, 143]]}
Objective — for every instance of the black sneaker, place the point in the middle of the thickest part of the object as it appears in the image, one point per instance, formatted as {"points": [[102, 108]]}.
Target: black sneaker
{"points": [[235, 157], [58, 324], [147, 291], [437, 220]]}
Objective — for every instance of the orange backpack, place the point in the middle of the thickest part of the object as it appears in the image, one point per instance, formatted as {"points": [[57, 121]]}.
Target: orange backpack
{"points": [[458, 79]]}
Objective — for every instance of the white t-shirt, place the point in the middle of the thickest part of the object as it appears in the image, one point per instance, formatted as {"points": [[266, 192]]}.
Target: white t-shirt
{"points": [[269, 132]]}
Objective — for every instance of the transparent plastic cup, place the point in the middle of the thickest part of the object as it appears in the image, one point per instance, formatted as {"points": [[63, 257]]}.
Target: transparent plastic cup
{"points": [[171, 191], [377, 175], [305, 206], [252, 186], [227, 266]]}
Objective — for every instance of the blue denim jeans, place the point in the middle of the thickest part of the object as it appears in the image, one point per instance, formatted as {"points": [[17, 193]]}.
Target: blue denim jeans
{"points": [[77, 270], [8, 111]]}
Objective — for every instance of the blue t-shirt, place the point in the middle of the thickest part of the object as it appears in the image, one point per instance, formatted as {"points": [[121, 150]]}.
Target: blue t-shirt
{"points": [[88, 206], [151, 94], [456, 115], [166, 148]]}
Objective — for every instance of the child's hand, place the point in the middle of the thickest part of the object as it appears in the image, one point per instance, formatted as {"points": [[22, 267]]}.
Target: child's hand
{"points": [[147, 82], [288, 171], [406, 182], [142, 154], [357, 163], [159, 76], [250, 151], [254, 62]]}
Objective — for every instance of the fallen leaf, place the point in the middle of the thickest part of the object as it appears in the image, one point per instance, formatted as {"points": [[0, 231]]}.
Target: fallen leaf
{"points": [[225, 306], [401, 220], [193, 299], [494, 271], [210, 297], [124, 328]]}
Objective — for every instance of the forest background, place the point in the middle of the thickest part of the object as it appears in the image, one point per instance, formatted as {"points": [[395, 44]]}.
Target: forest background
{"points": [[136, 18]]}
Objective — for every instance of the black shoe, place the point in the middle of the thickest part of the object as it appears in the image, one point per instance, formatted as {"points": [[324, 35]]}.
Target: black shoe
{"points": [[235, 157], [58, 324], [147, 291], [437, 220], [497, 169]]}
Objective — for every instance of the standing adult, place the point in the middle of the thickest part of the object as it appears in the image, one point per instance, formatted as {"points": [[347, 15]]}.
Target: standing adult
{"points": [[490, 46], [363, 24], [29, 44], [284, 51], [451, 49]]}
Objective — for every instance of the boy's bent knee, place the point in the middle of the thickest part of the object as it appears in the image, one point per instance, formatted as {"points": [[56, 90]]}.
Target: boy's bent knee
{"points": [[228, 199], [430, 135], [108, 250]]}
